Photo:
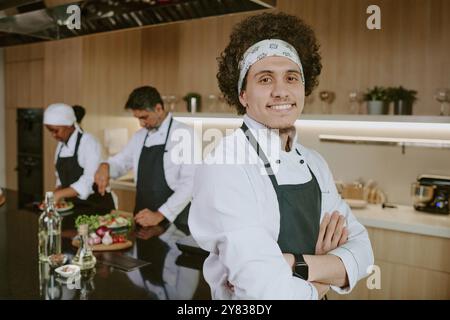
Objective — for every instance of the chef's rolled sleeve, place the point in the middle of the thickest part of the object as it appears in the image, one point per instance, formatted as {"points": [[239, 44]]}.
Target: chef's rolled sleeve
{"points": [[89, 156]]}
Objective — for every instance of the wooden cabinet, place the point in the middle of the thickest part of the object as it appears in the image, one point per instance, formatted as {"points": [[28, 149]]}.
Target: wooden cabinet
{"points": [[126, 199], [412, 266]]}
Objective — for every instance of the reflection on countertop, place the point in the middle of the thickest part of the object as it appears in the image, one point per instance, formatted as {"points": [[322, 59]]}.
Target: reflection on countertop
{"points": [[165, 277]]}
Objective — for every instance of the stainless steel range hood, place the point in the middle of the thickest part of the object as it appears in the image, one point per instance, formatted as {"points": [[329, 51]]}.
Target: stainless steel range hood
{"points": [[25, 21]]}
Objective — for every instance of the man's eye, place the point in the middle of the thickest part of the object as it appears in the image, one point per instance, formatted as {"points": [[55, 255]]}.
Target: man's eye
{"points": [[265, 80], [292, 78]]}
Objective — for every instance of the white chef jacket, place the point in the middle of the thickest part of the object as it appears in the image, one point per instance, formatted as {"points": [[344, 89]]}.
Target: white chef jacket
{"points": [[235, 216], [179, 175], [89, 158]]}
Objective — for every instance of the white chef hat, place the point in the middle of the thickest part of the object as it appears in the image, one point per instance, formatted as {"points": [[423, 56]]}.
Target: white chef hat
{"points": [[59, 114]]}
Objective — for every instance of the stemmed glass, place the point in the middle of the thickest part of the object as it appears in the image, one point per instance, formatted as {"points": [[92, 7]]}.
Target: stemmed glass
{"points": [[355, 98], [443, 97], [171, 101], [327, 97]]}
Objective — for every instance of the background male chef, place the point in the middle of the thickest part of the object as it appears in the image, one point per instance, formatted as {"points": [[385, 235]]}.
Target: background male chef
{"points": [[276, 229], [163, 186]]}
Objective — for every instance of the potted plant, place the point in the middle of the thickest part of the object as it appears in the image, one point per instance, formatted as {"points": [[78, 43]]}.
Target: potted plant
{"points": [[403, 99], [377, 100]]}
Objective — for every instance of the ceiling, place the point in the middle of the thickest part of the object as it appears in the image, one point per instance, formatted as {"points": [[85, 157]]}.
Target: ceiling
{"points": [[27, 21]]}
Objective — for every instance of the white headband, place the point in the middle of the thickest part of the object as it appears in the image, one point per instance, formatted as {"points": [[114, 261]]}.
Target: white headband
{"points": [[267, 48]]}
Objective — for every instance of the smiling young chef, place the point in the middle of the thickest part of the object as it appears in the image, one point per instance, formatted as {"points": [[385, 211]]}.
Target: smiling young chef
{"points": [[77, 157], [268, 227], [163, 186]]}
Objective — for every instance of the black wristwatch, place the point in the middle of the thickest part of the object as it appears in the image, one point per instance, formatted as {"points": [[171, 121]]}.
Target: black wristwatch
{"points": [[300, 267]]}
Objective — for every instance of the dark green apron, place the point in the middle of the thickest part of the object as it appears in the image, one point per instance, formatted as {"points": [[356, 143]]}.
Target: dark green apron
{"points": [[152, 190], [69, 171], [300, 208]]}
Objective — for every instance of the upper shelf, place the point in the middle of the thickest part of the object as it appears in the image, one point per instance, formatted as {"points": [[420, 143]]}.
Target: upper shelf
{"points": [[402, 142], [333, 117]]}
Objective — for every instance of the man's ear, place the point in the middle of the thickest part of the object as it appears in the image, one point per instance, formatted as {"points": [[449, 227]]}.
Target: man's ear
{"points": [[243, 98], [159, 108]]}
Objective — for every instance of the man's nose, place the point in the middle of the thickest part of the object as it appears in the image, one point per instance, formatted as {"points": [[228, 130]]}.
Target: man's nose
{"points": [[279, 90]]}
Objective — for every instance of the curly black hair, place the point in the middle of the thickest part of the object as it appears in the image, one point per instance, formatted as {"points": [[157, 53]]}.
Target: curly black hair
{"points": [[267, 26]]}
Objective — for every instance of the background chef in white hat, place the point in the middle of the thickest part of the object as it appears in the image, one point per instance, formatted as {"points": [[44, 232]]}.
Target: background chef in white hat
{"points": [[77, 157]]}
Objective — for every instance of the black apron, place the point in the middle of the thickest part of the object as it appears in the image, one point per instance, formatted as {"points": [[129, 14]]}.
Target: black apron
{"points": [[69, 171], [152, 190], [300, 208]]}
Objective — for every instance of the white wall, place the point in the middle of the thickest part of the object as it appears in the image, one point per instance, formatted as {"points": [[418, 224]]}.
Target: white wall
{"points": [[2, 121]]}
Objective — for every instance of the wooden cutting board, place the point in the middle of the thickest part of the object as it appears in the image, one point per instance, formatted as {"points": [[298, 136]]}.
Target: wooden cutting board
{"points": [[102, 247], [115, 246]]}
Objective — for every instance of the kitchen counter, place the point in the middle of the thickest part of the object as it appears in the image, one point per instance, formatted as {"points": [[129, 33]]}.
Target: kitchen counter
{"points": [[403, 218], [171, 274], [124, 184]]}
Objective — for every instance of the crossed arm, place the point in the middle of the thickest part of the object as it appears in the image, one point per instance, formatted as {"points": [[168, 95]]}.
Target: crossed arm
{"points": [[326, 269]]}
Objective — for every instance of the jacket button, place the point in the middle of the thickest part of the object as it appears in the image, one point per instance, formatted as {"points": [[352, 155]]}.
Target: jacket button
{"points": [[278, 161], [302, 161]]}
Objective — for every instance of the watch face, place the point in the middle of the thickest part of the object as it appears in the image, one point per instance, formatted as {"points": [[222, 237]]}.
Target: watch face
{"points": [[301, 271]]}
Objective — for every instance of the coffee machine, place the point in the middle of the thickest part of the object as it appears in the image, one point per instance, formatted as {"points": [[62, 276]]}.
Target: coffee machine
{"points": [[431, 193]]}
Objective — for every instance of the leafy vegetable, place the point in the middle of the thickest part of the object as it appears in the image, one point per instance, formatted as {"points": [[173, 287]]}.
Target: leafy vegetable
{"points": [[91, 221], [112, 220]]}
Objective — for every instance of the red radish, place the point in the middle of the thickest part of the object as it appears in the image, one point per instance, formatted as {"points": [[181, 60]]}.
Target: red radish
{"points": [[101, 231]]}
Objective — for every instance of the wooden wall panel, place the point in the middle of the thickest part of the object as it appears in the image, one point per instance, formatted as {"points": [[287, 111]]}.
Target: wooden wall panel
{"points": [[160, 62], [24, 84], [202, 42], [11, 148], [62, 74], [181, 58], [63, 71], [25, 52], [36, 84], [111, 70], [409, 50], [13, 73]]}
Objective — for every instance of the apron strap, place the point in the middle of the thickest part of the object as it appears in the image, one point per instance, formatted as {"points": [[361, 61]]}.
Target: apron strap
{"points": [[167, 135], [254, 143], [77, 145]]}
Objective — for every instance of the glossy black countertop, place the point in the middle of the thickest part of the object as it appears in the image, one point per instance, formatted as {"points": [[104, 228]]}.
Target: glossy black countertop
{"points": [[171, 274]]}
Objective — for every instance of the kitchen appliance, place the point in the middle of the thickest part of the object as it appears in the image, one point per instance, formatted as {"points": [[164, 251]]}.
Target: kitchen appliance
{"points": [[431, 193], [29, 156]]}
